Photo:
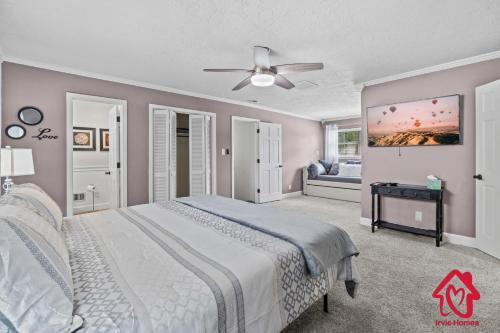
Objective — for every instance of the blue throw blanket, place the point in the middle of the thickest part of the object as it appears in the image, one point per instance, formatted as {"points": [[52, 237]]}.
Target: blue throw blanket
{"points": [[322, 244]]}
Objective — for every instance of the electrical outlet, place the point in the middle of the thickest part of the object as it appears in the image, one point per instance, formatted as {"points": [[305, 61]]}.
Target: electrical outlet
{"points": [[290, 187], [418, 216]]}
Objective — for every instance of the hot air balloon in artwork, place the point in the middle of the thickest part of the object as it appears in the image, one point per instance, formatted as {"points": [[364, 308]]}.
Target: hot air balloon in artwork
{"points": [[431, 121]]}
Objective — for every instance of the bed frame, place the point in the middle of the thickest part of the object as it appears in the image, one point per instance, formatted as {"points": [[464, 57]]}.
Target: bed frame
{"points": [[331, 190]]}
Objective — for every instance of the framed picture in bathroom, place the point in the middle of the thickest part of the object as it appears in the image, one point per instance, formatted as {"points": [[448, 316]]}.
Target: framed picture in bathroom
{"points": [[84, 139], [104, 139]]}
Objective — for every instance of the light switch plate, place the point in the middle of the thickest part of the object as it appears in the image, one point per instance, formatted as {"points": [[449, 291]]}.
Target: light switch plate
{"points": [[223, 151]]}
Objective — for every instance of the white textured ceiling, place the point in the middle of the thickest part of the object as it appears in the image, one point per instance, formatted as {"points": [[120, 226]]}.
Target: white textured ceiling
{"points": [[169, 42]]}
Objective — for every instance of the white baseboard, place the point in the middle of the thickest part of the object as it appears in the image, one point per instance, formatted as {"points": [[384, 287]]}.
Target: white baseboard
{"points": [[459, 240], [365, 221], [447, 238], [292, 194]]}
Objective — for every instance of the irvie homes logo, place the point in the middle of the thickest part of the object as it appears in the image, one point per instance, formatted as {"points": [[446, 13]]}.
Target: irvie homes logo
{"points": [[456, 294]]}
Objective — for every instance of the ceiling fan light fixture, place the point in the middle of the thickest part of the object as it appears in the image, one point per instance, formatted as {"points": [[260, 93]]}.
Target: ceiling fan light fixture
{"points": [[262, 80]]}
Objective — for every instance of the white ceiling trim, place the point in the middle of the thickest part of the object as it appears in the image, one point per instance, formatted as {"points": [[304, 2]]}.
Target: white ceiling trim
{"points": [[74, 71], [341, 118], [436, 68]]}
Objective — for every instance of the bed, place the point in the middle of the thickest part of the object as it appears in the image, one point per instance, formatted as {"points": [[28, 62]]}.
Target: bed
{"points": [[199, 265], [345, 185]]}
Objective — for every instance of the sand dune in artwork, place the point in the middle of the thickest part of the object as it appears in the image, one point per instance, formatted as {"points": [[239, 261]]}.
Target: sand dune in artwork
{"points": [[424, 136]]}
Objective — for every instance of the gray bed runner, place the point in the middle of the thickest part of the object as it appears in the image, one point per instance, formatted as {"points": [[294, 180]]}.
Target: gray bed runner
{"points": [[322, 244]]}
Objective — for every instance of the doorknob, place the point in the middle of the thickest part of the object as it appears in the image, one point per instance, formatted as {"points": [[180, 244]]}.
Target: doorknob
{"points": [[478, 177], [107, 172], [280, 166]]}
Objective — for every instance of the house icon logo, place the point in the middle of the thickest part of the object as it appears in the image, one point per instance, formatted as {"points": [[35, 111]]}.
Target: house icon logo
{"points": [[456, 294]]}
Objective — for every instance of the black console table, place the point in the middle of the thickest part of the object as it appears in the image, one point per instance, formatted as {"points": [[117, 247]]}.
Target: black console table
{"points": [[414, 192]]}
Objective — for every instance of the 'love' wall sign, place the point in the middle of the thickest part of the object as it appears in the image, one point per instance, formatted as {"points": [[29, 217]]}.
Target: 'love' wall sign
{"points": [[44, 134]]}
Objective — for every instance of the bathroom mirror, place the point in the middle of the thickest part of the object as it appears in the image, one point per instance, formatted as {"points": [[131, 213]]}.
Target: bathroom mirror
{"points": [[15, 132], [30, 115]]}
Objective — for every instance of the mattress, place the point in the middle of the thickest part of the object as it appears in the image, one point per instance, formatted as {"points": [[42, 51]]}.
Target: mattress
{"points": [[331, 178], [174, 268]]}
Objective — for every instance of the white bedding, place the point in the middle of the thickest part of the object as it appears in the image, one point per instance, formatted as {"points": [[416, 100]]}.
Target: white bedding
{"points": [[173, 268]]}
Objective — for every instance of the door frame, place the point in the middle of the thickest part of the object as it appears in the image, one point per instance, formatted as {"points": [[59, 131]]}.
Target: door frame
{"points": [[150, 143], [233, 120], [70, 97]]}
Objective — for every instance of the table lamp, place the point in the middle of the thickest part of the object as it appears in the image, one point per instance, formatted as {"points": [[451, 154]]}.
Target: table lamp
{"points": [[15, 162]]}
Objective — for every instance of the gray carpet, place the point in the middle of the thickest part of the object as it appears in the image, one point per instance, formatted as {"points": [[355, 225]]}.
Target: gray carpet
{"points": [[399, 273]]}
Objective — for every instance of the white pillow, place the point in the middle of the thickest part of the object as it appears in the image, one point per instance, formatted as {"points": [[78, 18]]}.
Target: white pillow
{"points": [[349, 170], [40, 199], [36, 289]]}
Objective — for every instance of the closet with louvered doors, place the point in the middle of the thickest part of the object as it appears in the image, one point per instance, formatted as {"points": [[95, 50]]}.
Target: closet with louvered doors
{"points": [[181, 153]]}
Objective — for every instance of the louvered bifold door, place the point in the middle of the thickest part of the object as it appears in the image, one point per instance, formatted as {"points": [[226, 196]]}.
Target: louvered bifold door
{"points": [[197, 158], [173, 156], [208, 154], [161, 160]]}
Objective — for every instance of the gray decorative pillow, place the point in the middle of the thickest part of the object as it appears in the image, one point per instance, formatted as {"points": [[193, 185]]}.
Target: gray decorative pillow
{"points": [[334, 170], [326, 164], [315, 170]]}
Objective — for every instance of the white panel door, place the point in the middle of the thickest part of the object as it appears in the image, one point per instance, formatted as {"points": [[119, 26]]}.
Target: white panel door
{"points": [[173, 155], [114, 156], [270, 168], [161, 155], [197, 155], [487, 167]]}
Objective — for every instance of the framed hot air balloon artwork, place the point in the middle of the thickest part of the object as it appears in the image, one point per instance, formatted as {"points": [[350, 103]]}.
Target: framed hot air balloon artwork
{"points": [[427, 122]]}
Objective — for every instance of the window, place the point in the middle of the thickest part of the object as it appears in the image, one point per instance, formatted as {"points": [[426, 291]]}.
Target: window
{"points": [[349, 143]]}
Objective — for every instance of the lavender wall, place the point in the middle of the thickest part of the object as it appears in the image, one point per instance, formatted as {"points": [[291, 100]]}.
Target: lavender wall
{"points": [[455, 164], [24, 85]]}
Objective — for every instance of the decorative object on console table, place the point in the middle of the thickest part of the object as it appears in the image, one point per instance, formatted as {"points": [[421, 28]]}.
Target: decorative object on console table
{"points": [[434, 183], [414, 192], [15, 162]]}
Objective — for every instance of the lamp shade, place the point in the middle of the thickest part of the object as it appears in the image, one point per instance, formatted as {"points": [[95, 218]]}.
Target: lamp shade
{"points": [[16, 162]]}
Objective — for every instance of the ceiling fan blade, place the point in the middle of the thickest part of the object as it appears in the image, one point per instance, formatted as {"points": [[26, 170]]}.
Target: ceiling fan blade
{"points": [[243, 83], [261, 56], [293, 68], [222, 70], [283, 82]]}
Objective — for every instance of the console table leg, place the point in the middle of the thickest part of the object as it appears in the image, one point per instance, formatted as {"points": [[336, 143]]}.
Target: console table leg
{"points": [[438, 223], [373, 212]]}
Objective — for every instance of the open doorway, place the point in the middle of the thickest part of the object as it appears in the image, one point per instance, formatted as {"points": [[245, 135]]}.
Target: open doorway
{"points": [[244, 149], [257, 168], [96, 153], [182, 155]]}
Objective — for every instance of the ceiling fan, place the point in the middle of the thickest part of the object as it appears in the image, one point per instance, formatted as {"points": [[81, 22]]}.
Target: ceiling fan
{"points": [[265, 75]]}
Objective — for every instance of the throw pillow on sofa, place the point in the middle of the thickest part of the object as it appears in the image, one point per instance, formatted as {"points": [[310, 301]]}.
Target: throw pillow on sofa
{"points": [[315, 170]]}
